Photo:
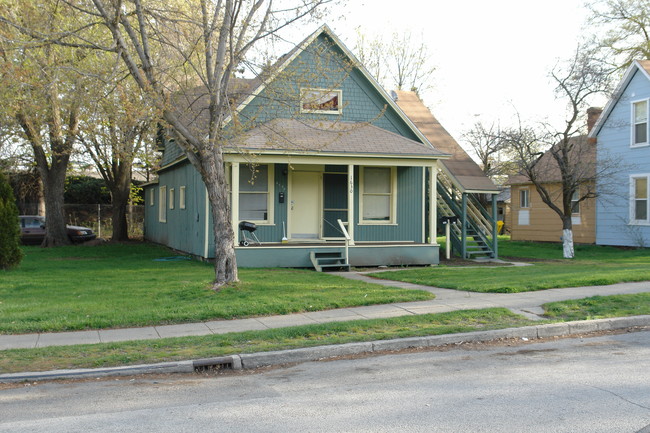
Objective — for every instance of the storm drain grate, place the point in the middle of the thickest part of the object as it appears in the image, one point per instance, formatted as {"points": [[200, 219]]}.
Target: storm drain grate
{"points": [[213, 364]]}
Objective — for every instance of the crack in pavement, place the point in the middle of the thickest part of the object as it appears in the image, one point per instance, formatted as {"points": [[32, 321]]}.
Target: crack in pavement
{"points": [[645, 429]]}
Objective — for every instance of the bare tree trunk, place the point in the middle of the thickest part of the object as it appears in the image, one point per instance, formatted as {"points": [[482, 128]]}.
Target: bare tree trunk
{"points": [[214, 177], [53, 188], [567, 237], [120, 192], [119, 220]]}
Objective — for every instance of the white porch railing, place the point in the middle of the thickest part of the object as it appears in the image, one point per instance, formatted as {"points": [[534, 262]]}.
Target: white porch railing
{"points": [[348, 240]]}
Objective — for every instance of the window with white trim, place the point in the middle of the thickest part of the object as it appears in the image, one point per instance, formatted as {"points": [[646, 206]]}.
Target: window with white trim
{"points": [[378, 185], [640, 123], [321, 101], [172, 198], [256, 193], [575, 203], [524, 198], [639, 199], [152, 197], [162, 204], [181, 197]]}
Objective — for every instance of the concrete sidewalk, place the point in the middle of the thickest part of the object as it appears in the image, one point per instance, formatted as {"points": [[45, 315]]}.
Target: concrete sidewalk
{"points": [[528, 304]]}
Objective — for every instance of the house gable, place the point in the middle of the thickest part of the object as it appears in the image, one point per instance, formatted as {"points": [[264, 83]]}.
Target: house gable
{"points": [[618, 221], [325, 65]]}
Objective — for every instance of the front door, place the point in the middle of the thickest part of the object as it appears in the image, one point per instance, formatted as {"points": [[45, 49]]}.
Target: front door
{"points": [[305, 205]]}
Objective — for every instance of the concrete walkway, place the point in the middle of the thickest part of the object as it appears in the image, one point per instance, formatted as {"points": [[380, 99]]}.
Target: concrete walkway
{"points": [[528, 304]]}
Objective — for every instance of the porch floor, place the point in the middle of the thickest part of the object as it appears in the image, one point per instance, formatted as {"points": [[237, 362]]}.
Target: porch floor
{"points": [[297, 254]]}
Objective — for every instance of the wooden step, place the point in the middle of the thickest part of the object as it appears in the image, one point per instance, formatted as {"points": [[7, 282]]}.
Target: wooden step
{"points": [[328, 260]]}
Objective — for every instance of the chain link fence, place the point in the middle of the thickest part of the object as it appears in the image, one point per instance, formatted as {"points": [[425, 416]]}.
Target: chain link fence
{"points": [[97, 217]]}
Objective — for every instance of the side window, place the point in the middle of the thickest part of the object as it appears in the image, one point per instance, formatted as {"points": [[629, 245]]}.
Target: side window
{"points": [[639, 205], [162, 204], [640, 123], [181, 197], [172, 198], [524, 198], [575, 204]]}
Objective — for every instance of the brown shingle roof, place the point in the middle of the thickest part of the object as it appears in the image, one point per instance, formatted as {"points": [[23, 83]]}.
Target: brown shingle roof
{"points": [[302, 136], [583, 153], [460, 165]]}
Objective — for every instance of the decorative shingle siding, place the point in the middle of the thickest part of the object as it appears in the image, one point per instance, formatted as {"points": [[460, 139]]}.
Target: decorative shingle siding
{"points": [[172, 153], [361, 101]]}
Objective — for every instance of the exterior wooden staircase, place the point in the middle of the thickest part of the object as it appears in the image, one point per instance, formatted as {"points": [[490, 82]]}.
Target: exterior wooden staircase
{"points": [[473, 234], [323, 261]]}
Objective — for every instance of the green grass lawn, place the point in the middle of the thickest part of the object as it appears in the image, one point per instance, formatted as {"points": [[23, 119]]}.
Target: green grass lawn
{"points": [[592, 265], [170, 349], [121, 285], [599, 307]]}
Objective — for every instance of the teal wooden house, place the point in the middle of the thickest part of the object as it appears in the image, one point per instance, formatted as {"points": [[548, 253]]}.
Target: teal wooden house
{"points": [[324, 163]]}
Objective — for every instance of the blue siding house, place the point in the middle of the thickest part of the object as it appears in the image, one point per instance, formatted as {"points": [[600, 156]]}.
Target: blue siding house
{"points": [[623, 212], [322, 160]]}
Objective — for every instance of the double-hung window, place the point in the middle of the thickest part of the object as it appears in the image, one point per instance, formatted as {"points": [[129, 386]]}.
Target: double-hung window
{"points": [[181, 197], [639, 199], [524, 198], [255, 193], [378, 185], [640, 123], [575, 203], [162, 204]]}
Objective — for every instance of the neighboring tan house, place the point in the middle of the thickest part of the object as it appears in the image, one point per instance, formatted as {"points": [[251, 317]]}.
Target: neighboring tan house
{"points": [[623, 214], [532, 219]]}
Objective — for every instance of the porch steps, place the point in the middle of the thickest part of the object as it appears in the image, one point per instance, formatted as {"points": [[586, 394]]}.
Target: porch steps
{"points": [[328, 261], [476, 246]]}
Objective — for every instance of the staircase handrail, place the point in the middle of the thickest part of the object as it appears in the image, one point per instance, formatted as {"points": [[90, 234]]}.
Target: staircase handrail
{"points": [[347, 240]]}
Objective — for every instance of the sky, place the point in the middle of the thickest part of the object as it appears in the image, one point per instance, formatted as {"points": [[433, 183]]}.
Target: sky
{"points": [[493, 58]]}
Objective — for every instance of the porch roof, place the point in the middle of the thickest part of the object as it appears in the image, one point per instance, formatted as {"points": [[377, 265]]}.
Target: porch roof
{"points": [[320, 137]]}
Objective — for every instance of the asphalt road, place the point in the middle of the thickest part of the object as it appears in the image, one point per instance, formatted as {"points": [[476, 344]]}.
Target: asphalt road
{"points": [[599, 384]]}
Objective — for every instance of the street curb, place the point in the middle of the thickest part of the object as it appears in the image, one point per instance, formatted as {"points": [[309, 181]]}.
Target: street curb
{"points": [[291, 356]]}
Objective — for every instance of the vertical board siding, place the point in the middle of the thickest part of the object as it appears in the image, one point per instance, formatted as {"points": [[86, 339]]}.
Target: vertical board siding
{"points": [[184, 229], [613, 204], [408, 226]]}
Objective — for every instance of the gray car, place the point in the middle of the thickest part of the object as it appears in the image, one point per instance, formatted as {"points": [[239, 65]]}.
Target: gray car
{"points": [[32, 231]]}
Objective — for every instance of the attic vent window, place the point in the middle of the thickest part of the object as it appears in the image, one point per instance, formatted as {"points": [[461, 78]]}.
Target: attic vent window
{"points": [[321, 101]]}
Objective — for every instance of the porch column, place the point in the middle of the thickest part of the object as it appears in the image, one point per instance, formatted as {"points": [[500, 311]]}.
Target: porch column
{"points": [[351, 202], [433, 205], [234, 200]]}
